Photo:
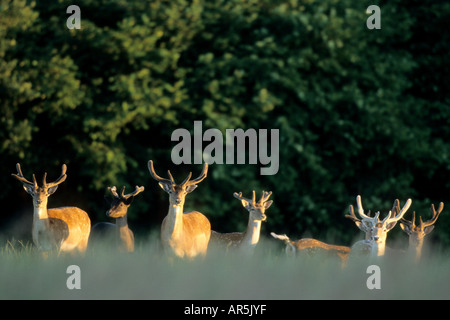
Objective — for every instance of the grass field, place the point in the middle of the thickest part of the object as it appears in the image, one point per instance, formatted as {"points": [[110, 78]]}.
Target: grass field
{"points": [[149, 274]]}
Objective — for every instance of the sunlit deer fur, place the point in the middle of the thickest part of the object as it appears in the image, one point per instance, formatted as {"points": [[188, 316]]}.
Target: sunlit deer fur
{"points": [[250, 237], [64, 229], [376, 230], [312, 247], [186, 234], [119, 234], [417, 233]]}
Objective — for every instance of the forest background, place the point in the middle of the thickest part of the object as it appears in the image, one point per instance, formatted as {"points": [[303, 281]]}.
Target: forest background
{"points": [[359, 111]]}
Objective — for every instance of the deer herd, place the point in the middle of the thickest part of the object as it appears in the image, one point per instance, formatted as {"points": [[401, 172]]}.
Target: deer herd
{"points": [[189, 234]]}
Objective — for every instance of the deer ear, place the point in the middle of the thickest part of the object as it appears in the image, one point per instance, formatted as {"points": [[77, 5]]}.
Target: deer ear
{"points": [[267, 204], [129, 201], [363, 225], [360, 226], [191, 188], [246, 204], [28, 189], [427, 230], [164, 186], [391, 226], [405, 228], [52, 190]]}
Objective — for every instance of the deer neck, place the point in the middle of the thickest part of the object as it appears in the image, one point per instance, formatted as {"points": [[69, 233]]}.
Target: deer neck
{"points": [[125, 233], [415, 245], [40, 211], [122, 223], [378, 248], [174, 221], [251, 236], [122, 226], [41, 224]]}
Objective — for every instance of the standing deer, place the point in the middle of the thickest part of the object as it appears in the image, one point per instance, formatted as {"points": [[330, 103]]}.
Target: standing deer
{"points": [[312, 247], [183, 233], [65, 229], [119, 234], [376, 230], [417, 233], [249, 238]]}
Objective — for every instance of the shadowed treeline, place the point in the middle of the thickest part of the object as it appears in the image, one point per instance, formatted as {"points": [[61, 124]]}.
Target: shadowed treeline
{"points": [[358, 111]]}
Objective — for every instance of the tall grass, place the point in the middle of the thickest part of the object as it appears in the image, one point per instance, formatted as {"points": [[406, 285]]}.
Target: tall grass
{"points": [[267, 274]]}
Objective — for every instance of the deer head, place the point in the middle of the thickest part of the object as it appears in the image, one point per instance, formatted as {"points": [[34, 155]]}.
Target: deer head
{"points": [[40, 194], [177, 192], [417, 233], [256, 209], [377, 229], [120, 203]]}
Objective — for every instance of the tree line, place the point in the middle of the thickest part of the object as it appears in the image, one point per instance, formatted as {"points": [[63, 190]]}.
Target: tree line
{"points": [[358, 111]]}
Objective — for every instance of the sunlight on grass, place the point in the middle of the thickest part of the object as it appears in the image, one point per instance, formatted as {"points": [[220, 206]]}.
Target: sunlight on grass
{"points": [[267, 274]]}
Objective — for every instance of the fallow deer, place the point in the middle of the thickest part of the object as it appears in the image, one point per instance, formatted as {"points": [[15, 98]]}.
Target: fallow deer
{"points": [[313, 247], [376, 230], [186, 234], [417, 233], [249, 238], [118, 234], [64, 229]]}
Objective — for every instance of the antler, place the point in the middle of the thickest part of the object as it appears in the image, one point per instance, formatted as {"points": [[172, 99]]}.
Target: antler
{"points": [[19, 176], [435, 215], [132, 194], [123, 195], [113, 190], [265, 196], [188, 182], [352, 215], [240, 197], [60, 180], [411, 224], [395, 208], [360, 208], [158, 178], [397, 214]]}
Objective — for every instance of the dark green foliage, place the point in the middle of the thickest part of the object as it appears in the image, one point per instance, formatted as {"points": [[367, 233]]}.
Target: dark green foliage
{"points": [[359, 111]]}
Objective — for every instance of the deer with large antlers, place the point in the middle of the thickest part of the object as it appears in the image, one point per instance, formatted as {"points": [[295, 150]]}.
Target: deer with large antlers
{"points": [[417, 233], [186, 234], [376, 230], [312, 247], [65, 229], [119, 233], [249, 238]]}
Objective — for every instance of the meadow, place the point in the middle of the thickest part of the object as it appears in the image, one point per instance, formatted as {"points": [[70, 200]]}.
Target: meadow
{"points": [[356, 111], [267, 274]]}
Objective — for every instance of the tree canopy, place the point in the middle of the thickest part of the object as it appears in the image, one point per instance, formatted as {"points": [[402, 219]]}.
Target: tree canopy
{"points": [[359, 111]]}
